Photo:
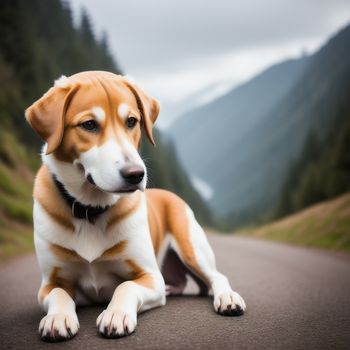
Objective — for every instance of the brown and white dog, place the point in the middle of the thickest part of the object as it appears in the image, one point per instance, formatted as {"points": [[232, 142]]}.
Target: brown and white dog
{"points": [[99, 235]]}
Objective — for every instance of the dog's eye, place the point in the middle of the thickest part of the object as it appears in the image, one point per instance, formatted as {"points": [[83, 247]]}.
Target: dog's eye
{"points": [[131, 122], [89, 125]]}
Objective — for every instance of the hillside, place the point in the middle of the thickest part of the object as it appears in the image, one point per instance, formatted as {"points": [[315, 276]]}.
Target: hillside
{"points": [[325, 225], [253, 134], [233, 114], [322, 171], [219, 128], [17, 166]]}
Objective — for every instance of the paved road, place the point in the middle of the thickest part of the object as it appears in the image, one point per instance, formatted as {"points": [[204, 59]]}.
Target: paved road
{"points": [[297, 299]]}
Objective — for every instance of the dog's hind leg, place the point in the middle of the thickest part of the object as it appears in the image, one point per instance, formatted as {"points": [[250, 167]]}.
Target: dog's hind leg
{"points": [[191, 244], [175, 274]]}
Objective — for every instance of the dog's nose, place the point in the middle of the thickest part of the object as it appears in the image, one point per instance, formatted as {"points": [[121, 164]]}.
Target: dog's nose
{"points": [[132, 174]]}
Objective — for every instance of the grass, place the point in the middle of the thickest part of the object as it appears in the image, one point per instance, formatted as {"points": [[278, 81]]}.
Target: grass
{"points": [[15, 239], [16, 209], [325, 225], [16, 181]]}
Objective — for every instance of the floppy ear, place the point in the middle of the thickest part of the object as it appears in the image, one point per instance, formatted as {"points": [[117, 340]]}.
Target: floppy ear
{"points": [[148, 106], [46, 115]]}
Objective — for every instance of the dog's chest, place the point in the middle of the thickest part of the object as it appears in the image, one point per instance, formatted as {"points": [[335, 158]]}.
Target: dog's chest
{"points": [[98, 278], [90, 241]]}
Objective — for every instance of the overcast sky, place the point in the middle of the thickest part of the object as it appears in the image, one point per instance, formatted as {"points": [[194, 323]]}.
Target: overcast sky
{"points": [[177, 49]]}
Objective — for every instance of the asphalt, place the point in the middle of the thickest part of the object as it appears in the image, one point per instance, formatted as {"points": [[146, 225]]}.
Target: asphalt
{"points": [[297, 298]]}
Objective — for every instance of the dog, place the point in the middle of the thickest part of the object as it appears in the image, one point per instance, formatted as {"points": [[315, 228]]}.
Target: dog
{"points": [[100, 236]]}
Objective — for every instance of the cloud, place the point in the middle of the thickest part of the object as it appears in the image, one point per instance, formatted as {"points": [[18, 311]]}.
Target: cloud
{"points": [[146, 34], [216, 74], [175, 48]]}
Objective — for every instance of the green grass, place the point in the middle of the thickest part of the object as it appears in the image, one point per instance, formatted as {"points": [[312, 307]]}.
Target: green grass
{"points": [[15, 240], [16, 182], [16, 209], [325, 225], [14, 155]]}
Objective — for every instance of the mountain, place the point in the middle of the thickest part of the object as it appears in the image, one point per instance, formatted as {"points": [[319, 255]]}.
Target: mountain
{"points": [[322, 171], [39, 43], [211, 137], [243, 143], [191, 101]]}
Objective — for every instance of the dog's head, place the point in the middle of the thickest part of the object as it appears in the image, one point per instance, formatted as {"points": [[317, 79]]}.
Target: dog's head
{"points": [[93, 121]]}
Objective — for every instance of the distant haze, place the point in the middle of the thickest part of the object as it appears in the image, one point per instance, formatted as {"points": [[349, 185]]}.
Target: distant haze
{"points": [[176, 49]]}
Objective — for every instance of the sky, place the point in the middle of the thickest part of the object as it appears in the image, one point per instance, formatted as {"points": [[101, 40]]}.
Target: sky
{"points": [[187, 52]]}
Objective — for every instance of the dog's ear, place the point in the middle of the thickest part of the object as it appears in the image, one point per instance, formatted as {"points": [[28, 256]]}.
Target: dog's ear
{"points": [[47, 115], [148, 106]]}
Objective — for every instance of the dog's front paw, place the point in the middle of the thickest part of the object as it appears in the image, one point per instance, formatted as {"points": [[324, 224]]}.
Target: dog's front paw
{"points": [[116, 323], [58, 327], [229, 304]]}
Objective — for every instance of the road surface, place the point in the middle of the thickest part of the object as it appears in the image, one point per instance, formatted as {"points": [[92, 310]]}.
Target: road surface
{"points": [[297, 299]]}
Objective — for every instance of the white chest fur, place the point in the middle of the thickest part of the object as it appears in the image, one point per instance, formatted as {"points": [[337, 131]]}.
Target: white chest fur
{"points": [[90, 241]]}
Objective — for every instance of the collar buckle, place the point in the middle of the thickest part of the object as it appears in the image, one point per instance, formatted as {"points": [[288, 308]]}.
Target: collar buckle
{"points": [[79, 210]]}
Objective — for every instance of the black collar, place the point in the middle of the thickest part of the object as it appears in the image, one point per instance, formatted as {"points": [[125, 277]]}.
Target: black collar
{"points": [[79, 210]]}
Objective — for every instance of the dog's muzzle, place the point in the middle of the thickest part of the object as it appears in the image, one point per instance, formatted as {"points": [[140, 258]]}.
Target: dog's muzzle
{"points": [[132, 174]]}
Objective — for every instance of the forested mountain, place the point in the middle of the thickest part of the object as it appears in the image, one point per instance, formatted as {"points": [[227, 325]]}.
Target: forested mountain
{"points": [[322, 171], [39, 43], [245, 143]]}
